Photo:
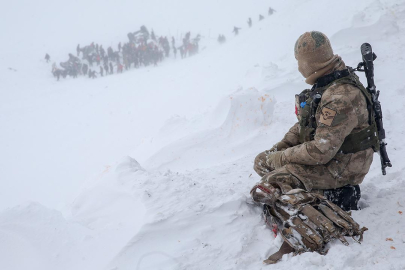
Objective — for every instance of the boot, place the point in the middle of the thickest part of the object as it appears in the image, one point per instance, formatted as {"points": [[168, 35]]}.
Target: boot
{"points": [[284, 249]]}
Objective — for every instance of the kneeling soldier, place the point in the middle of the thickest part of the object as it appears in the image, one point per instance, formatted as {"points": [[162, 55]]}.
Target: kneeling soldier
{"points": [[329, 149]]}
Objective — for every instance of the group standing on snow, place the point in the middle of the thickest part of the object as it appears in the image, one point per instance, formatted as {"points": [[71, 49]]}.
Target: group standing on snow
{"points": [[142, 49]]}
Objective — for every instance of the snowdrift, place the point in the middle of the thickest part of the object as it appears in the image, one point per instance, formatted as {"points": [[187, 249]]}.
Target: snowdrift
{"points": [[180, 201], [249, 112]]}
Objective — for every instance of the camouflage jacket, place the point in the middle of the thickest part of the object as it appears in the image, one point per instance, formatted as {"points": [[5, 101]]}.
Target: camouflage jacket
{"points": [[341, 111]]}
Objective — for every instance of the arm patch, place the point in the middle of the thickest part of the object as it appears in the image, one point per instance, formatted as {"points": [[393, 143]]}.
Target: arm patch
{"points": [[327, 116]]}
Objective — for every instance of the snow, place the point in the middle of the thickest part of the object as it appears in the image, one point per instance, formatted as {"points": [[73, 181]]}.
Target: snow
{"points": [[152, 168]]}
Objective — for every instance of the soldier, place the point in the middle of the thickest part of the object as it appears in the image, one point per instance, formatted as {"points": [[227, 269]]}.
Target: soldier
{"points": [[102, 51], [101, 71], [111, 68], [93, 74], [120, 67], [261, 17], [181, 52], [236, 30], [327, 152], [90, 60], [85, 67], [106, 68], [47, 57], [271, 11], [250, 22]]}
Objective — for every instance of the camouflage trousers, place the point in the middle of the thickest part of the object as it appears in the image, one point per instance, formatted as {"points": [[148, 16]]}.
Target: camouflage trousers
{"points": [[291, 176]]}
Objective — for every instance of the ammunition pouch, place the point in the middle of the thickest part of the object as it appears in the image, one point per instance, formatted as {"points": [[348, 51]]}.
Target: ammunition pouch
{"points": [[361, 140], [308, 221]]}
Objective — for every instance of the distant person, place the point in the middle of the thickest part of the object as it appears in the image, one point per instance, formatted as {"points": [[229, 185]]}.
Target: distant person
{"points": [[85, 68], [271, 11], [93, 74], [250, 22], [101, 71], [102, 51], [55, 71], [111, 68], [221, 39], [181, 49], [74, 73], [120, 67], [236, 30], [90, 59], [58, 72], [47, 57], [261, 17], [78, 50], [106, 68], [73, 58]]}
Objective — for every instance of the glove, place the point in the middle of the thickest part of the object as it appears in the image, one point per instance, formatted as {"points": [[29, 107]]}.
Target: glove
{"points": [[280, 146], [276, 160]]}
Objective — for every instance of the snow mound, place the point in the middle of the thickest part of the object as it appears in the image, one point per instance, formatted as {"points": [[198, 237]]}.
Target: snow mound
{"points": [[187, 206], [248, 111], [35, 237]]}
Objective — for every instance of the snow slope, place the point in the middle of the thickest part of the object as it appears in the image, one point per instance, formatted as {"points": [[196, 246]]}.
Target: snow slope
{"points": [[195, 127]]}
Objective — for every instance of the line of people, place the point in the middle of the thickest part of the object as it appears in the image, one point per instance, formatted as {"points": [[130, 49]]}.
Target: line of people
{"points": [[222, 39], [142, 49]]}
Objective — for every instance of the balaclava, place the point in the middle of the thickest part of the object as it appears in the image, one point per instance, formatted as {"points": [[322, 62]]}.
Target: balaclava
{"points": [[315, 56]]}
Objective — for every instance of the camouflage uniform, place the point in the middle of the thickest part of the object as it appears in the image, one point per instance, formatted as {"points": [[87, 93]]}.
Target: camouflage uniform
{"points": [[318, 164], [330, 146]]}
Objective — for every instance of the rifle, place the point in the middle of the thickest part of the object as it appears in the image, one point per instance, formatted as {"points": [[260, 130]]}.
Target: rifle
{"points": [[367, 66]]}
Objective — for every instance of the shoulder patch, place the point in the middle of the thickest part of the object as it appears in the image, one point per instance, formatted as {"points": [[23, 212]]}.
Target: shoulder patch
{"points": [[327, 116]]}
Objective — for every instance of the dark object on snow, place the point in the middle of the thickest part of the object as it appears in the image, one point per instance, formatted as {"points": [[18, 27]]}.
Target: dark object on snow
{"points": [[221, 39], [367, 66], [111, 68], [346, 197], [236, 30], [85, 68]]}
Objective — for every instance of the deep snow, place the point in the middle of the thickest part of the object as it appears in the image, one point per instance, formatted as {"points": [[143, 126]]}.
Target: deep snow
{"points": [[185, 135]]}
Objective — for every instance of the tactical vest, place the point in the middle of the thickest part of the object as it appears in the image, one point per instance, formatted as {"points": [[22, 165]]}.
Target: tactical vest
{"points": [[307, 104]]}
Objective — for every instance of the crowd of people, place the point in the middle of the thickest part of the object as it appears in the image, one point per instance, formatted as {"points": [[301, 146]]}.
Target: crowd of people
{"points": [[222, 39], [143, 48]]}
